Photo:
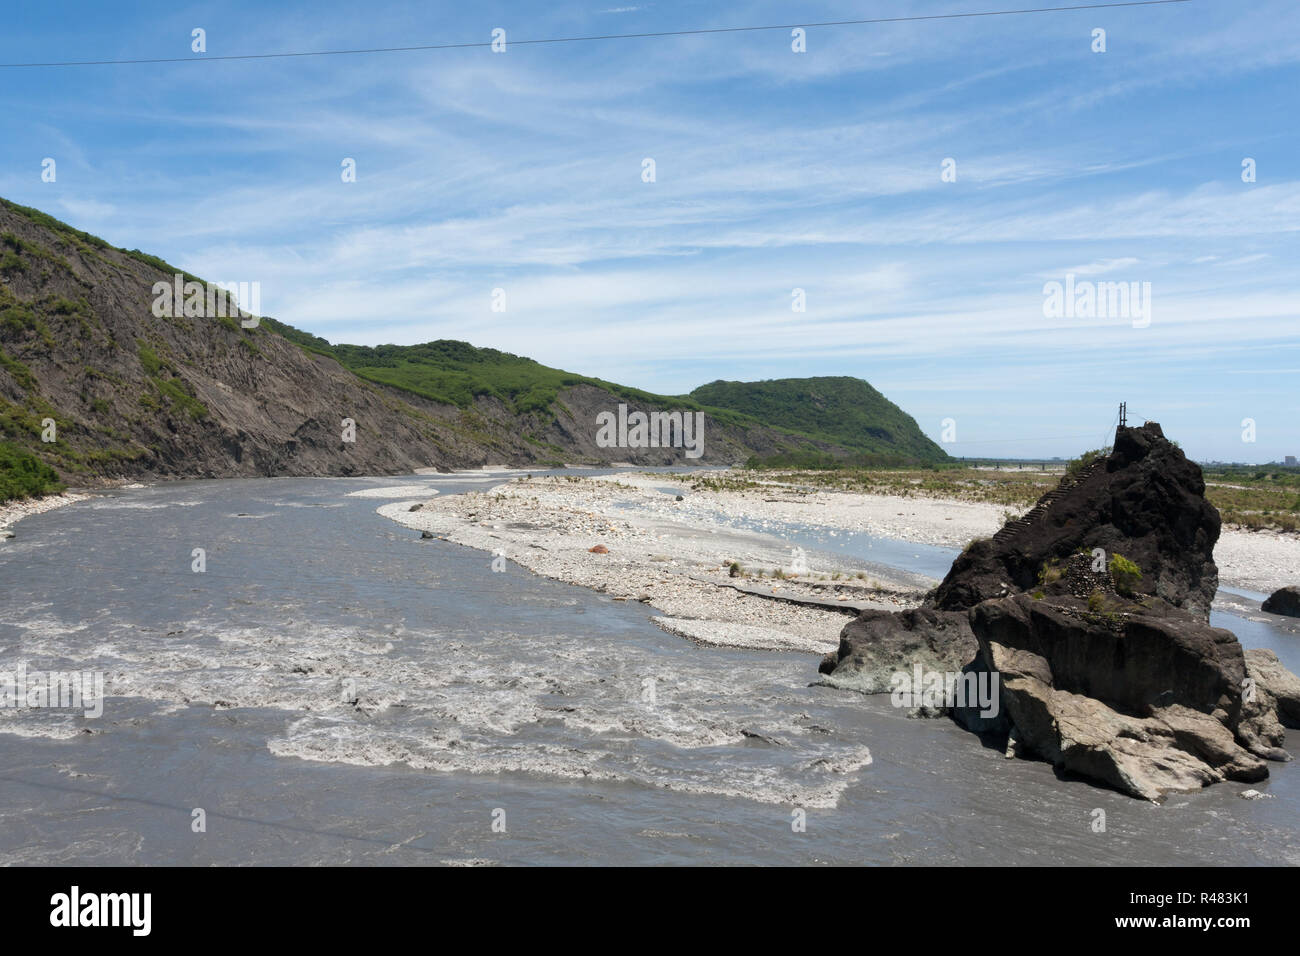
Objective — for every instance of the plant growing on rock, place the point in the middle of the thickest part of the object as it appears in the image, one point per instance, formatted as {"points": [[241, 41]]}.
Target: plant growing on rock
{"points": [[1125, 574], [1076, 465]]}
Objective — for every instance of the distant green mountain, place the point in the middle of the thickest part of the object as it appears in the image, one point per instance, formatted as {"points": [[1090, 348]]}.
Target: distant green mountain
{"points": [[840, 410]]}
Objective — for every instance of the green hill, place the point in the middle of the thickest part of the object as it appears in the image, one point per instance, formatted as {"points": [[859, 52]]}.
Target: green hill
{"points": [[840, 410], [457, 373]]}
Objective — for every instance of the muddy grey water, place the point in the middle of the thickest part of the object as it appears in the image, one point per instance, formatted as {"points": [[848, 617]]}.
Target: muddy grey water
{"points": [[332, 689]]}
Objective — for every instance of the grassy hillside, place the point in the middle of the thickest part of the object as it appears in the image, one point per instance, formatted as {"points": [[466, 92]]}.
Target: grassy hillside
{"points": [[842, 410], [457, 373]]}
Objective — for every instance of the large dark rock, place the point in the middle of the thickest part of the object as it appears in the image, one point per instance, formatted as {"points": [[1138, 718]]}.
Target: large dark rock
{"points": [[1145, 501], [1283, 601], [1141, 696], [1133, 689]]}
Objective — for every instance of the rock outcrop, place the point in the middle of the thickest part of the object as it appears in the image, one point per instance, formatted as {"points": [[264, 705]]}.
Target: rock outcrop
{"points": [[878, 644], [1277, 688], [1283, 601], [1145, 501], [1091, 612], [1143, 697]]}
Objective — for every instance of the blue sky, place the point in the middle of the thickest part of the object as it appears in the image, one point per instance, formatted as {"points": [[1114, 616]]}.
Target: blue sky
{"points": [[774, 171]]}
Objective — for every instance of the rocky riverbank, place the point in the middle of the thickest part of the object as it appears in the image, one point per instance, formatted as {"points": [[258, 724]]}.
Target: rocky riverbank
{"points": [[11, 512]]}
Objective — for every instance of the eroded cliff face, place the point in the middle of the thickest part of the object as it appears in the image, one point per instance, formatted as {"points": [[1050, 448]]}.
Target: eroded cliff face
{"points": [[133, 394], [1107, 671]]}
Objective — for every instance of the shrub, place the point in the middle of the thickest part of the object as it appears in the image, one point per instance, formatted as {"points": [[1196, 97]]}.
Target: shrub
{"points": [[1125, 574], [1077, 465], [22, 474], [149, 359], [19, 372]]}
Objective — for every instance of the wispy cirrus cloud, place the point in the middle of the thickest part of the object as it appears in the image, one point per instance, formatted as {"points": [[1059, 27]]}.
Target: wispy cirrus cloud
{"points": [[774, 171]]}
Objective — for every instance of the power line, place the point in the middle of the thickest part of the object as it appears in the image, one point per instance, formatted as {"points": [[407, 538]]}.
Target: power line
{"points": [[607, 36], [1110, 431]]}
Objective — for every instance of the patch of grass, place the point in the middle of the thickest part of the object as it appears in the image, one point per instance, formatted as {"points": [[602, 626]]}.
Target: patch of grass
{"points": [[114, 455], [23, 475], [1015, 489], [17, 421], [1050, 572], [1077, 465], [19, 372], [1256, 499], [149, 359], [16, 248], [1126, 575], [18, 316], [173, 389]]}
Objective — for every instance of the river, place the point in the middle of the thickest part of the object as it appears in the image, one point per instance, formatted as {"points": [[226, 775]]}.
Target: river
{"points": [[331, 689]]}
